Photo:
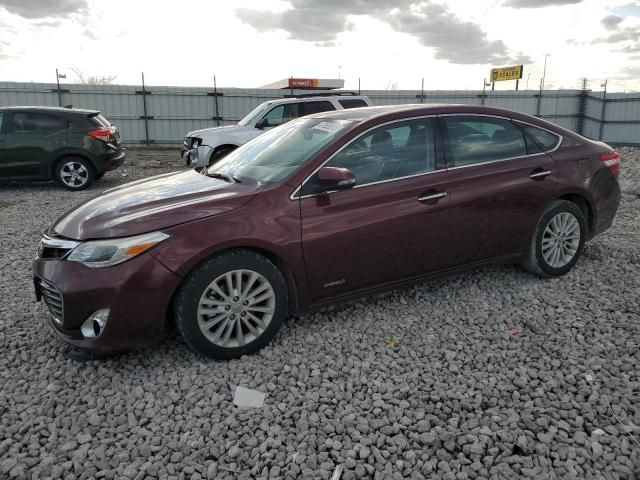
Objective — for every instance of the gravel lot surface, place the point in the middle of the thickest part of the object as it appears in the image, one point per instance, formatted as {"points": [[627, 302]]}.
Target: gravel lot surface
{"points": [[491, 374]]}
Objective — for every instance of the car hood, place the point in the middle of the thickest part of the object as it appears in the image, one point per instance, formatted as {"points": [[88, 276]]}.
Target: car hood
{"points": [[152, 204], [205, 132]]}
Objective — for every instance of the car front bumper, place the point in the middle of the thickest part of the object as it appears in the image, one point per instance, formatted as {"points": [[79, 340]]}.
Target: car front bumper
{"points": [[137, 293]]}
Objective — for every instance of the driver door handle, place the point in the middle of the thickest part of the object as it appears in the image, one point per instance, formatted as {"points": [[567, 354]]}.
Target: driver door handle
{"points": [[539, 174], [431, 197]]}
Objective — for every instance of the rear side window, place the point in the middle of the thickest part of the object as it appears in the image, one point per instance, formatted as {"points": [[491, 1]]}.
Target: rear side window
{"points": [[353, 103], [545, 139], [475, 140], [36, 122], [99, 120], [316, 107]]}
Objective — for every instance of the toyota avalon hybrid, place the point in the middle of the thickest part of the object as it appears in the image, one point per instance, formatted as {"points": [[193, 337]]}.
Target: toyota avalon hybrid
{"points": [[321, 209]]}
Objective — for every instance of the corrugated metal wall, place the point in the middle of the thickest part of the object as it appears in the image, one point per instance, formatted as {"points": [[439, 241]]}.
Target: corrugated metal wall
{"points": [[173, 111]]}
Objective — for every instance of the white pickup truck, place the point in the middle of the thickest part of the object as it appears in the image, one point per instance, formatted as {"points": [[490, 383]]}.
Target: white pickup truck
{"points": [[222, 140]]}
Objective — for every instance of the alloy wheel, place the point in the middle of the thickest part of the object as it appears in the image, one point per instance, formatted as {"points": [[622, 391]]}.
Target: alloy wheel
{"points": [[74, 174], [561, 240], [236, 308]]}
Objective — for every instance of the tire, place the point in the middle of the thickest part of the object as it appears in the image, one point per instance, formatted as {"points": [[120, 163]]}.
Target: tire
{"points": [[562, 248], [207, 312], [220, 154], [65, 169]]}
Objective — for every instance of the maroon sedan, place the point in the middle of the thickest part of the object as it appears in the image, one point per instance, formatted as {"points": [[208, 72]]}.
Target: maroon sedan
{"points": [[324, 208]]}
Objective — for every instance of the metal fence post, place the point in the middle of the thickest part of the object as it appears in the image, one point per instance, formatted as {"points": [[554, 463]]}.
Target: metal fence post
{"points": [[539, 100], [603, 111], [215, 96], [146, 117]]}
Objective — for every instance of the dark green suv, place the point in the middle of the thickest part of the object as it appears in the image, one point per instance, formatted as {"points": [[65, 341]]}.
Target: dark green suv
{"points": [[73, 146]]}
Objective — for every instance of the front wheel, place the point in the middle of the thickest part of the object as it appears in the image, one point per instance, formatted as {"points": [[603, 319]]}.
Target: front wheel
{"points": [[74, 173], [231, 305], [220, 154], [558, 240]]}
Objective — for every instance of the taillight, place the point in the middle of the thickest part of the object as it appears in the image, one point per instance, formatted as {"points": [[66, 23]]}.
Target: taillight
{"points": [[103, 134], [611, 160]]}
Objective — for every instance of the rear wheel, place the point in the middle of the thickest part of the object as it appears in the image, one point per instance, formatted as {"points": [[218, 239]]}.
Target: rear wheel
{"points": [[74, 173], [231, 305], [558, 240]]}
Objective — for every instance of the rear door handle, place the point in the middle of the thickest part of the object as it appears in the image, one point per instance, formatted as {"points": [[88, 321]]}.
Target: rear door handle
{"points": [[539, 174], [431, 198]]}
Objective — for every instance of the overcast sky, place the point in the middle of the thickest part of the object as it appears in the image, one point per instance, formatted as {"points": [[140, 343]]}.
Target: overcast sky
{"points": [[452, 43]]}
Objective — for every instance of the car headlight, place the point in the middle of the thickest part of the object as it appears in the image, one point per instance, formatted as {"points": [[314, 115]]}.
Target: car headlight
{"points": [[104, 253]]}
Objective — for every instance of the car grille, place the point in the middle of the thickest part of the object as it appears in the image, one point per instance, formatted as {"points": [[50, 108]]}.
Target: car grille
{"points": [[52, 298], [53, 252]]}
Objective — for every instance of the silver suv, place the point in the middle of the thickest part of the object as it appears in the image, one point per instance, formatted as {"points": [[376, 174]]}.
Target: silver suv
{"points": [[222, 140]]}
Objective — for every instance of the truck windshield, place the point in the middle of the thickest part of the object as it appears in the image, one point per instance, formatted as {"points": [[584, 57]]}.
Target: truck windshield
{"points": [[278, 153], [252, 116]]}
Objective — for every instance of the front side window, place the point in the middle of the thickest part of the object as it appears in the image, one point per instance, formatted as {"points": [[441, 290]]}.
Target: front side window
{"points": [[545, 139], [281, 114], [396, 150], [475, 140], [276, 154], [36, 122]]}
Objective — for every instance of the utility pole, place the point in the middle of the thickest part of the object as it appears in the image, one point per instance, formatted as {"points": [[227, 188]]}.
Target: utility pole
{"points": [[422, 91], [604, 108], [215, 96], [544, 71], [59, 93]]}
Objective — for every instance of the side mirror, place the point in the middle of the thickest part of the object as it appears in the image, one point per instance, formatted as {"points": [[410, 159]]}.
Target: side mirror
{"points": [[335, 178], [198, 157], [262, 123]]}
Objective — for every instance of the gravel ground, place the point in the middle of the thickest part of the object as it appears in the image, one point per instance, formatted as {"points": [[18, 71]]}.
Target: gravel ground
{"points": [[491, 374]]}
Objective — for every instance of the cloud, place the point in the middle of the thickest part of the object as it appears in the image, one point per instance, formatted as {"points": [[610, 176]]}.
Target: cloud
{"points": [[612, 21], [626, 34], [33, 9], [434, 25], [539, 3]]}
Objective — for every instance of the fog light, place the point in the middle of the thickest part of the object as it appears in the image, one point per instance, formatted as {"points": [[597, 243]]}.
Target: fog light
{"points": [[94, 325]]}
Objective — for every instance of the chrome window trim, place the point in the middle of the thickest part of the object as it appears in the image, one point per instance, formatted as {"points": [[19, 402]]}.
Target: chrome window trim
{"points": [[299, 187]]}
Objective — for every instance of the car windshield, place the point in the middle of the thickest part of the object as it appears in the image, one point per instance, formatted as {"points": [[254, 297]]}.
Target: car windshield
{"points": [[252, 116], [278, 153]]}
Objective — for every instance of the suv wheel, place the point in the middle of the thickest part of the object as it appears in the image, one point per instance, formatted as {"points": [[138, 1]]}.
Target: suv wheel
{"points": [[558, 240], [231, 305], [74, 173]]}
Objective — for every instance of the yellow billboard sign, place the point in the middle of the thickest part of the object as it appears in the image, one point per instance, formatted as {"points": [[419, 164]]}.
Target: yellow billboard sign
{"points": [[506, 73]]}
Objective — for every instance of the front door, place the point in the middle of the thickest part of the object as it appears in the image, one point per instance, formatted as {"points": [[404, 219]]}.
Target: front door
{"points": [[392, 225], [499, 182]]}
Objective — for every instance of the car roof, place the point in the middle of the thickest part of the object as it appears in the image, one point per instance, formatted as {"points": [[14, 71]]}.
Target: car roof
{"points": [[395, 112], [312, 98], [33, 108]]}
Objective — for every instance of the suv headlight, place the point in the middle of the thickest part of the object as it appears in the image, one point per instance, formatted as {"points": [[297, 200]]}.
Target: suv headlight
{"points": [[104, 253]]}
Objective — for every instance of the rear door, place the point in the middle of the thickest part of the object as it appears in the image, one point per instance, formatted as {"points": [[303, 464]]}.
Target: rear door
{"points": [[499, 183], [30, 140], [392, 225]]}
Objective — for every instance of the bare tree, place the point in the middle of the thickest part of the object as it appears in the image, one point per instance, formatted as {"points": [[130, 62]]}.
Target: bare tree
{"points": [[85, 79], [392, 85]]}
